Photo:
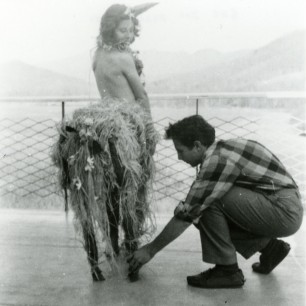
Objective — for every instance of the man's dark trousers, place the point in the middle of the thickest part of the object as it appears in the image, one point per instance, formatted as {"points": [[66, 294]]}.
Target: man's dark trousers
{"points": [[244, 221]]}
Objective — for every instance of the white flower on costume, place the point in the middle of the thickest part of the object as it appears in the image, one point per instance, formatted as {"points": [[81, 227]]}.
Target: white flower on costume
{"points": [[77, 182], [90, 164], [88, 122], [71, 160]]}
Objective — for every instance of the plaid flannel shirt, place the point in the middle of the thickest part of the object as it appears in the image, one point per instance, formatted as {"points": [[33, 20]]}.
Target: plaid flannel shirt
{"points": [[235, 162]]}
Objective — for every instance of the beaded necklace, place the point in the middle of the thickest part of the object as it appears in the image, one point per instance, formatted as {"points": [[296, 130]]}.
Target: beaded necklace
{"points": [[125, 47]]}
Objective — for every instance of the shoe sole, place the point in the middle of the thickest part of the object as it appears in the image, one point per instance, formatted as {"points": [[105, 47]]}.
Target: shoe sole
{"points": [[217, 287]]}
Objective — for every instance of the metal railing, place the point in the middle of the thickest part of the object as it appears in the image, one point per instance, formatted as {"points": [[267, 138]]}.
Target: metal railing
{"points": [[27, 134]]}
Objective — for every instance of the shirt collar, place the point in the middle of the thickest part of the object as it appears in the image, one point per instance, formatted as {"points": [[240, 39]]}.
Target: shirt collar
{"points": [[208, 152]]}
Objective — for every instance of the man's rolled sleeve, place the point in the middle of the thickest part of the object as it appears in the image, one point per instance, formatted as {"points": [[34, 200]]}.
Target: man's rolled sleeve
{"points": [[180, 212]]}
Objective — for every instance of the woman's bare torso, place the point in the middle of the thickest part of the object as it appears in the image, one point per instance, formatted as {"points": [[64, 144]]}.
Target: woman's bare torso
{"points": [[109, 76]]}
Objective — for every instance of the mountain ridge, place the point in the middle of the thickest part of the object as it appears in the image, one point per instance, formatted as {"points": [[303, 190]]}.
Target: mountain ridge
{"points": [[251, 71], [277, 66]]}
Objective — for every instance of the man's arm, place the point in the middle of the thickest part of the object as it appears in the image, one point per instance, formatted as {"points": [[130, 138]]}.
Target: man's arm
{"points": [[171, 231]]}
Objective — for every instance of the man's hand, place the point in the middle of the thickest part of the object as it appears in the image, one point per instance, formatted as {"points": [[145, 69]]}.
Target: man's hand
{"points": [[172, 230], [139, 258]]}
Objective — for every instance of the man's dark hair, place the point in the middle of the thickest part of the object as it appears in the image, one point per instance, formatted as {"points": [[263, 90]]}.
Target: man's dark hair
{"points": [[190, 129]]}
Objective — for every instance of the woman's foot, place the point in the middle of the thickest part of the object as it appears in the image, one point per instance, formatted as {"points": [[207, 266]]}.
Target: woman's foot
{"points": [[131, 247], [97, 275], [133, 276]]}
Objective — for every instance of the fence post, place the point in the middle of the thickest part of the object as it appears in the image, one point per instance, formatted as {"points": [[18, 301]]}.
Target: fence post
{"points": [[197, 112], [63, 110], [65, 188]]}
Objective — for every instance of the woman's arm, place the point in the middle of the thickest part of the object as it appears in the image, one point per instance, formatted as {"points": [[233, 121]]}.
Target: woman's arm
{"points": [[130, 73]]}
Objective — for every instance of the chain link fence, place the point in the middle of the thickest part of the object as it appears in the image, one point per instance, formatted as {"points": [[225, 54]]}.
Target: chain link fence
{"points": [[27, 132]]}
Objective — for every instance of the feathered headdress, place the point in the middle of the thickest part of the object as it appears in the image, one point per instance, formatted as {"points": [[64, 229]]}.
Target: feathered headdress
{"points": [[141, 8]]}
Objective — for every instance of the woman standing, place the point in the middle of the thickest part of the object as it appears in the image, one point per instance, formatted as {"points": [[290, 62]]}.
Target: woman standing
{"points": [[105, 151], [117, 69]]}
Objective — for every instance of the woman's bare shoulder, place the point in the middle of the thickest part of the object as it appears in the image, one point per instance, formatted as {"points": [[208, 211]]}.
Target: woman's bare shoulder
{"points": [[123, 57], [113, 58]]}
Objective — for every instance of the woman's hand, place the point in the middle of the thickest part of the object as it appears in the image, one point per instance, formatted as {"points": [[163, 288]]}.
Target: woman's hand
{"points": [[139, 258]]}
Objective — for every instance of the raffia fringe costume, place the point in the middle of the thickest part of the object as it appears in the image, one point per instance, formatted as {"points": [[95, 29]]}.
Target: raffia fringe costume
{"points": [[105, 148]]}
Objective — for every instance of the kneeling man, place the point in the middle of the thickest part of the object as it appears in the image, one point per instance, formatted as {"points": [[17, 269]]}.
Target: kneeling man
{"points": [[242, 200]]}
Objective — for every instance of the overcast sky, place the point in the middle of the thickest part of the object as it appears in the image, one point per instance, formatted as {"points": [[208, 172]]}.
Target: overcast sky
{"points": [[44, 30]]}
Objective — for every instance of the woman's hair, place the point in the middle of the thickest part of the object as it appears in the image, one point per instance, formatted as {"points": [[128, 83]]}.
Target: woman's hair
{"points": [[190, 129], [110, 21]]}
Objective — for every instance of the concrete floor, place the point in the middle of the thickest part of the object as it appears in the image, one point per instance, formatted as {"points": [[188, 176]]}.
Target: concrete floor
{"points": [[42, 263]]}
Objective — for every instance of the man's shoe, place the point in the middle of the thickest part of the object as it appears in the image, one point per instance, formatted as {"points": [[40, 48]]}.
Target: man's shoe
{"points": [[271, 256], [217, 278]]}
